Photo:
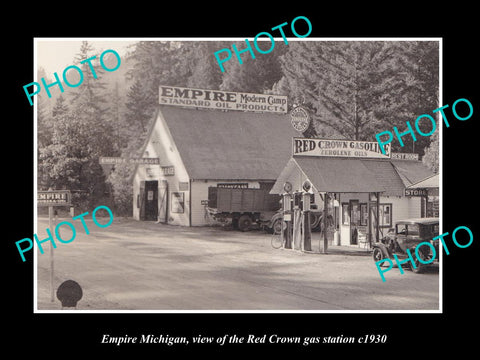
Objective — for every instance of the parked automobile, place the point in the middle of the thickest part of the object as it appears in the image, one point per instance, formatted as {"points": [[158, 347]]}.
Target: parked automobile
{"points": [[407, 234]]}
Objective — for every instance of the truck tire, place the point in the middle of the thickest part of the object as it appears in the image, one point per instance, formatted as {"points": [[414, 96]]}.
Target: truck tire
{"points": [[244, 222], [235, 223]]}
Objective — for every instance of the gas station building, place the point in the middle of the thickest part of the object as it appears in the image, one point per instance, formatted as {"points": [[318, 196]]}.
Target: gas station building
{"points": [[365, 188]]}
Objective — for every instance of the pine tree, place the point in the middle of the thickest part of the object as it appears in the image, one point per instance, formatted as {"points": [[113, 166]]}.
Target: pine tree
{"points": [[431, 157], [81, 134], [137, 115], [60, 107], [89, 98], [253, 75], [358, 89], [204, 71], [158, 63]]}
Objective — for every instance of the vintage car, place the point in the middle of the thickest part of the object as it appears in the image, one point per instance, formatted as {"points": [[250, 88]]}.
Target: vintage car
{"points": [[407, 234]]}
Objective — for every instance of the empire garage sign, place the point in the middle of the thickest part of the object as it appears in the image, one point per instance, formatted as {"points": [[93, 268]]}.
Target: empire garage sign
{"points": [[339, 148], [54, 198], [226, 100]]}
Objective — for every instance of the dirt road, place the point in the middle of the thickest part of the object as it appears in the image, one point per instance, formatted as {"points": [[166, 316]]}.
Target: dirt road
{"points": [[146, 266]]}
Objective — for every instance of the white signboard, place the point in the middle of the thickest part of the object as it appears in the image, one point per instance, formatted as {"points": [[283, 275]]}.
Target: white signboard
{"points": [[118, 160], [339, 148], [216, 99], [405, 156]]}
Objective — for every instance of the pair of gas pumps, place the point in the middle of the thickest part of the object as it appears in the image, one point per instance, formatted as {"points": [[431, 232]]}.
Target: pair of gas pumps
{"points": [[297, 233]]}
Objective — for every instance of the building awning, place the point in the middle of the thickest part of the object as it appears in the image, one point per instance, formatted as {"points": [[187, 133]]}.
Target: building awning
{"points": [[432, 182], [411, 172], [329, 175]]}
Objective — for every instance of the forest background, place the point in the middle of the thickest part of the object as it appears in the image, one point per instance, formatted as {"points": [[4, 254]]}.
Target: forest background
{"points": [[352, 89]]}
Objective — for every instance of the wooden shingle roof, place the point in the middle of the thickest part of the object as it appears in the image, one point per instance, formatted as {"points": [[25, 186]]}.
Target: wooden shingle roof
{"points": [[215, 144]]}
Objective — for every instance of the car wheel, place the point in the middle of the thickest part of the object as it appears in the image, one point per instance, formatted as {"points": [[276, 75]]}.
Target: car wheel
{"points": [[418, 269], [377, 255]]}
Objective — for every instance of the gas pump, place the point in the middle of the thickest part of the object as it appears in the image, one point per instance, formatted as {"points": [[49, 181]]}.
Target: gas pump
{"points": [[286, 235], [306, 230], [297, 220]]}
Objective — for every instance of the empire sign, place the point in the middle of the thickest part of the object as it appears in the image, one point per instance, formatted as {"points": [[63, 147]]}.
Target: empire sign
{"points": [[226, 100]]}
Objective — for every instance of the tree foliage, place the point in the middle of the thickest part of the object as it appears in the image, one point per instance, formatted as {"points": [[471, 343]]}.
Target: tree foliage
{"points": [[253, 75], [357, 89], [81, 134], [353, 89]]}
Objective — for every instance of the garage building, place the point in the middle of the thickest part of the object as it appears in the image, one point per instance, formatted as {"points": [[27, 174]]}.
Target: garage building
{"points": [[200, 148]]}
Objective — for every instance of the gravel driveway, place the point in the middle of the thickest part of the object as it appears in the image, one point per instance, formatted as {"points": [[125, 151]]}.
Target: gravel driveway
{"points": [[135, 265]]}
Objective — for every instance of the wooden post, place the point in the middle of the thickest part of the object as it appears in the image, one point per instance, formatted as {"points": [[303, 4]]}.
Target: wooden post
{"points": [[50, 226], [287, 210], [324, 227], [377, 194], [288, 239], [369, 222], [307, 231]]}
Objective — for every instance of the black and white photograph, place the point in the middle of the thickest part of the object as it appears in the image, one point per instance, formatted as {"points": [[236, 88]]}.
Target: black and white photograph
{"points": [[194, 166], [192, 182]]}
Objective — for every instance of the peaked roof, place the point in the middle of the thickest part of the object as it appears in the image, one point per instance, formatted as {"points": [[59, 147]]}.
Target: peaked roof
{"points": [[431, 182], [331, 175], [339, 175], [386, 173], [215, 144], [350, 175], [411, 171]]}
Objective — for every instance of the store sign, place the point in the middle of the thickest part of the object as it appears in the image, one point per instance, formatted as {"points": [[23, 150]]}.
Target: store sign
{"points": [[168, 170], [339, 148], [118, 160], [416, 192], [300, 119], [232, 185], [215, 99], [405, 156], [54, 198]]}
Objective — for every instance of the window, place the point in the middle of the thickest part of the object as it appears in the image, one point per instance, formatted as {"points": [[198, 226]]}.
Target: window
{"points": [[345, 214], [363, 214], [384, 213], [212, 196], [150, 195], [413, 229], [178, 202]]}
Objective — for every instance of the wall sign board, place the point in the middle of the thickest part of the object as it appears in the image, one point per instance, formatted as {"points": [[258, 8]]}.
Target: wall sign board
{"points": [[339, 148], [54, 198], [226, 100]]}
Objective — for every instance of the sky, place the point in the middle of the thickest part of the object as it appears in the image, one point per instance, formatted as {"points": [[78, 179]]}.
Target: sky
{"points": [[54, 55]]}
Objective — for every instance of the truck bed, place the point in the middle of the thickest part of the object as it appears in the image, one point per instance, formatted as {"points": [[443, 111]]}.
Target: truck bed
{"points": [[246, 200]]}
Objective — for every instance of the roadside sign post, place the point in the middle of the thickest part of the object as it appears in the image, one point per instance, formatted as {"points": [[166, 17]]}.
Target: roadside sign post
{"points": [[325, 223], [50, 226], [53, 198]]}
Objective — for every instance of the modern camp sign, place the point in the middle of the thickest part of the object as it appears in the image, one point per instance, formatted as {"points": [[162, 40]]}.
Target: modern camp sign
{"points": [[225, 100], [339, 148]]}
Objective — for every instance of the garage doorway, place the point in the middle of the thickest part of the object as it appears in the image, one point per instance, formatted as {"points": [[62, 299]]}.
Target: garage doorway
{"points": [[163, 201], [354, 221], [150, 201]]}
